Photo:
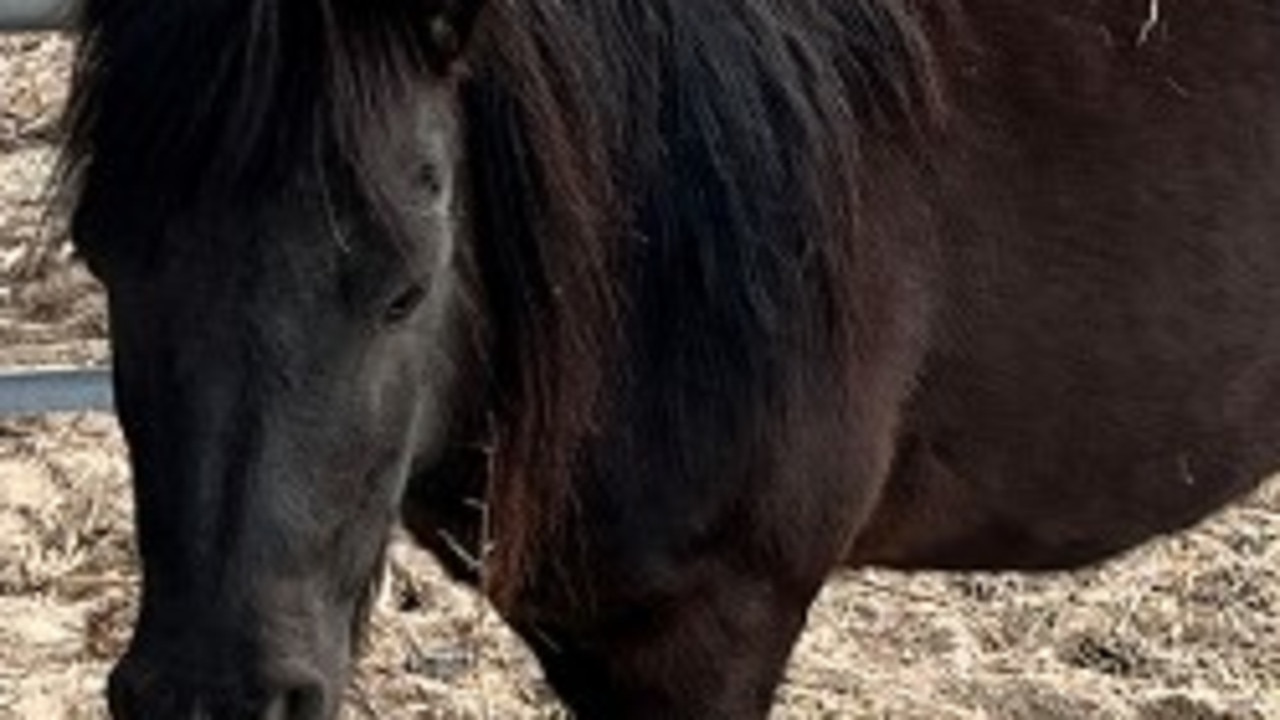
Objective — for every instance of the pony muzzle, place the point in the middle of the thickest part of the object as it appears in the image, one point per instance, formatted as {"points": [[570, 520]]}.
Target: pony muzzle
{"points": [[144, 688]]}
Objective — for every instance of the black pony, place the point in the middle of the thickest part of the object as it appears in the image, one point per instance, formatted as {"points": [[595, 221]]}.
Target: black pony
{"points": [[645, 315]]}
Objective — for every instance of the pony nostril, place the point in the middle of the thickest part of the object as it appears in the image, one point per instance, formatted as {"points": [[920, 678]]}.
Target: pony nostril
{"points": [[141, 690], [305, 703], [300, 703]]}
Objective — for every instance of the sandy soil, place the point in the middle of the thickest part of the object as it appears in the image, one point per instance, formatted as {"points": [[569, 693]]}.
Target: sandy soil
{"points": [[1187, 628]]}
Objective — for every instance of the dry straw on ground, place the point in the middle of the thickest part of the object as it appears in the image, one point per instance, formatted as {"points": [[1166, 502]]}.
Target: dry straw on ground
{"points": [[1184, 629]]}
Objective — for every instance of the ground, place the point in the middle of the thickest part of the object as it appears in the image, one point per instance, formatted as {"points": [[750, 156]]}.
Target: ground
{"points": [[1186, 628]]}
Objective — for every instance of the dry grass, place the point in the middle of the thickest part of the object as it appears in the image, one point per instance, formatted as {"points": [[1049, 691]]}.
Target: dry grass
{"points": [[1185, 629]]}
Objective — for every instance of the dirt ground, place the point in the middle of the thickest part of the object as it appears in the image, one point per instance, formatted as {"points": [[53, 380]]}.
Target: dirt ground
{"points": [[1187, 628]]}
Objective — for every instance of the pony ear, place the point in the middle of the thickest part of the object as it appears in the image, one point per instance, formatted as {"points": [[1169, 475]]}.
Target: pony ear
{"points": [[451, 23]]}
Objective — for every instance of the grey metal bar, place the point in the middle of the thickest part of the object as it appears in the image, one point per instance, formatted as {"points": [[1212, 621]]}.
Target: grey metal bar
{"points": [[35, 15], [34, 392]]}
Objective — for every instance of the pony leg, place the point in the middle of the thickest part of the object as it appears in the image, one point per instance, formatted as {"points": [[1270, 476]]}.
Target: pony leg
{"points": [[717, 651]]}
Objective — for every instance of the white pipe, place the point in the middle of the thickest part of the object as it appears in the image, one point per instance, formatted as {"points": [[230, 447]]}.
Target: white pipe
{"points": [[32, 15]]}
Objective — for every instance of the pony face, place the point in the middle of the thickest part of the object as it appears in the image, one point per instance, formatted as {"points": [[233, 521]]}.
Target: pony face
{"points": [[285, 339]]}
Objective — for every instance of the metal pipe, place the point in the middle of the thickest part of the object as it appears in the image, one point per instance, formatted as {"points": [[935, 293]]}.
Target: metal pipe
{"points": [[35, 392], [36, 15]]}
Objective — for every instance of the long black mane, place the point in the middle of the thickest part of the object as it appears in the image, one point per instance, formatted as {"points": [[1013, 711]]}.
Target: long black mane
{"points": [[663, 188], [704, 156]]}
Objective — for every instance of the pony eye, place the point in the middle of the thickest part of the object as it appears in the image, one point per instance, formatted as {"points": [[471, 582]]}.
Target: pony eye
{"points": [[402, 306]]}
